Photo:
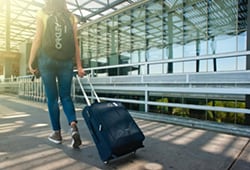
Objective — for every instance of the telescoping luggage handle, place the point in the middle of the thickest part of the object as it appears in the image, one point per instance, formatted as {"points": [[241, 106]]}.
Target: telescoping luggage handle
{"points": [[83, 91]]}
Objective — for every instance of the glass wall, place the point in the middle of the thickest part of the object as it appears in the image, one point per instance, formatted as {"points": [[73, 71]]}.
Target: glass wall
{"points": [[171, 37], [164, 30]]}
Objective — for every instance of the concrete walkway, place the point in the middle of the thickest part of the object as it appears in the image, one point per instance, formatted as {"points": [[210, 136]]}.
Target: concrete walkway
{"points": [[24, 128]]}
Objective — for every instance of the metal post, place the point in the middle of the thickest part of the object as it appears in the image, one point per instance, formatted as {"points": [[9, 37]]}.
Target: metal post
{"points": [[247, 118], [170, 37], [8, 3], [197, 54]]}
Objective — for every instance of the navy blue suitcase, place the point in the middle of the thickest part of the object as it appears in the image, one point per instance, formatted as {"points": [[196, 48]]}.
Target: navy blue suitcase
{"points": [[112, 128]]}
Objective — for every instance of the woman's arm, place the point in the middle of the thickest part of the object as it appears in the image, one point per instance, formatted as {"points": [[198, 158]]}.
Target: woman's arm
{"points": [[77, 52], [36, 44]]}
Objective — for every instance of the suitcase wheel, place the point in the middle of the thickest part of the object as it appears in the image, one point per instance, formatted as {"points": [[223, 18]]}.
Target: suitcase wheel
{"points": [[106, 162], [133, 153]]}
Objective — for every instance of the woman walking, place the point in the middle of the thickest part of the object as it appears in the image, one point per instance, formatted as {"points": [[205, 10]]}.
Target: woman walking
{"points": [[55, 63]]}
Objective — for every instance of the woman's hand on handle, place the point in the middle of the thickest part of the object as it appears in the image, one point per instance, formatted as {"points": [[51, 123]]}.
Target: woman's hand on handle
{"points": [[81, 72]]}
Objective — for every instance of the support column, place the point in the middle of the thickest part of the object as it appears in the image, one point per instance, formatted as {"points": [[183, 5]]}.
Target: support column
{"points": [[247, 118], [7, 38], [170, 37], [211, 37], [198, 53]]}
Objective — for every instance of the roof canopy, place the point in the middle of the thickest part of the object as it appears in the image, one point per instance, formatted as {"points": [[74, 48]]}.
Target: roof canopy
{"points": [[17, 17]]}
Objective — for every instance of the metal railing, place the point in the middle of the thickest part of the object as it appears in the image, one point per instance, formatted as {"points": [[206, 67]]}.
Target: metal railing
{"points": [[31, 88], [187, 84], [143, 84]]}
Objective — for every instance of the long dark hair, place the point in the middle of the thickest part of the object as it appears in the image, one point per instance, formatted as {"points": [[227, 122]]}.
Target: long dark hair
{"points": [[55, 6]]}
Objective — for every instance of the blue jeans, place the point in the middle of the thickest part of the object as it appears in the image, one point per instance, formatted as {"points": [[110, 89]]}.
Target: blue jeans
{"points": [[57, 78]]}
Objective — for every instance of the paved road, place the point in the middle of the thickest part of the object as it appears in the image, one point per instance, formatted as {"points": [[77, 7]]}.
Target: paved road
{"points": [[24, 129]]}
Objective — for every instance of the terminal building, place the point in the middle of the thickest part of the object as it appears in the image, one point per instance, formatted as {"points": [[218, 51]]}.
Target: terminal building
{"points": [[179, 58]]}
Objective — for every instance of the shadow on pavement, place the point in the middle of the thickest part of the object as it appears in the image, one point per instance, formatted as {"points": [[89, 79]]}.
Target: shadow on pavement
{"points": [[25, 127]]}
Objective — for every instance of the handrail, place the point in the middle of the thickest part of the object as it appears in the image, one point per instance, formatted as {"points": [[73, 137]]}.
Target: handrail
{"points": [[181, 59], [188, 106]]}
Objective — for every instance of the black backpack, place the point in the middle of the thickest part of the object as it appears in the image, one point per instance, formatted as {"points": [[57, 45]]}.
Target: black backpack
{"points": [[58, 39]]}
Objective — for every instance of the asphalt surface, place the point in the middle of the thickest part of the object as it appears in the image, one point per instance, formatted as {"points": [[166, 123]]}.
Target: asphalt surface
{"points": [[24, 128]]}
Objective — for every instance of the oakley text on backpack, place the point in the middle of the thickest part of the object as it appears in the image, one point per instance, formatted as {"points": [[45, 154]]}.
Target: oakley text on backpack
{"points": [[58, 39]]}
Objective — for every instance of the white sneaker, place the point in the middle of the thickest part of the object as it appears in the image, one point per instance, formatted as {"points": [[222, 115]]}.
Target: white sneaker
{"points": [[55, 137]]}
